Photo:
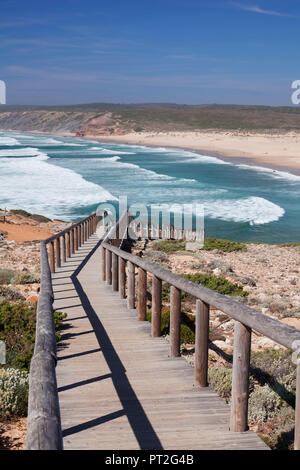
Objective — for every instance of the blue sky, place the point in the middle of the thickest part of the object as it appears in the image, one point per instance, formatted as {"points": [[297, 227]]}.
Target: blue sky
{"points": [[130, 51]]}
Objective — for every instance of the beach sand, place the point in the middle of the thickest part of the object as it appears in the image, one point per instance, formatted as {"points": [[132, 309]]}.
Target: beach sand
{"points": [[24, 232], [278, 150]]}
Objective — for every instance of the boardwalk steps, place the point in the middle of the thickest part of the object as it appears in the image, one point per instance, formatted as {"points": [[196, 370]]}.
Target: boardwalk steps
{"points": [[118, 387]]}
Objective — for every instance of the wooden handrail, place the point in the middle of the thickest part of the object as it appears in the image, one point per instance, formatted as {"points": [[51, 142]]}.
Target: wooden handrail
{"points": [[270, 327], [44, 424], [247, 319]]}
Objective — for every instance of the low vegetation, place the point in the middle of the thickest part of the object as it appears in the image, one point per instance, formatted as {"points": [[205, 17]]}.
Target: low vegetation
{"points": [[272, 394], [169, 246], [217, 284], [223, 245], [14, 391], [10, 276], [17, 329], [187, 327], [36, 217], [161, 117], [219, 244]]}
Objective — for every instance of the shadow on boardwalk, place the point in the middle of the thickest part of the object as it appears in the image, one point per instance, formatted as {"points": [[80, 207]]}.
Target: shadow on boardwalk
{"points": [[139, 422]]}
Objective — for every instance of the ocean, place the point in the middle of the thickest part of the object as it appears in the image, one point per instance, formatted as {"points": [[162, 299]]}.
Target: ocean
{"points": [[66, 178]]}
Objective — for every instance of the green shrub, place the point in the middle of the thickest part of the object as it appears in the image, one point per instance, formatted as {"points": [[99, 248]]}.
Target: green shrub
{"points": [[187, 327], [218, 284], [21, 212], [11, 294], [17, 329], [10, 276], [7, 276], [220, 379], [14, 391], [170, 246], [263, 404], [25, 277], [40, 218], [223, 245]]}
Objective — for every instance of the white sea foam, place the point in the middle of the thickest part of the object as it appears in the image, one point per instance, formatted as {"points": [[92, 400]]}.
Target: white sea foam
{"points": [[255, 210], [37, 186], [270, 172], [23, 153], [104, 151], [8, 141]]}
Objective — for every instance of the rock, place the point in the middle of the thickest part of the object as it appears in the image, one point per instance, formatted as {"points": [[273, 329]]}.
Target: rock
{"points": [[223, 346], [266, 342], [33, 299]]}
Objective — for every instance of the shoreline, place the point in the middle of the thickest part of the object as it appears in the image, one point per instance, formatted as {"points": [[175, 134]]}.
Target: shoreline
{"points": [[168, 140], [234, 157]]}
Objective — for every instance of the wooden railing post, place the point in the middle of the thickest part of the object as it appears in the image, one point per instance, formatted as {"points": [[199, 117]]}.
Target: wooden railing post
{"points": [[297, 410], [68, 244], [51, 257], [57, 252], [156, 307], [175, 313], [108, 267], [131, 285], [76, 236], [240, 378], [142, 295], [64, 252], [82, 234], [72, 242], [201, 343], [115, 281], [103, 262], [122, 277]]}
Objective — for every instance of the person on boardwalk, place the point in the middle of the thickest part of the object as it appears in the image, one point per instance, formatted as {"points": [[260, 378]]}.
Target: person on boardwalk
{"points": [[2, 237]]}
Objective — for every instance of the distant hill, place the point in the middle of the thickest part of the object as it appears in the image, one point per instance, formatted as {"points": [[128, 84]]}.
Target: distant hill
{"points": [[110, 118]]}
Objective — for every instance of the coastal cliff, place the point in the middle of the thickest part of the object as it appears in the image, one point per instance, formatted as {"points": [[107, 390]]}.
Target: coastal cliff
{"points": [[107, 119]]}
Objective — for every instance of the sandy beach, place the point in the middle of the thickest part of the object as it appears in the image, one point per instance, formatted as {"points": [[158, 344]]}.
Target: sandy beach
{"points": [[276, 150]]}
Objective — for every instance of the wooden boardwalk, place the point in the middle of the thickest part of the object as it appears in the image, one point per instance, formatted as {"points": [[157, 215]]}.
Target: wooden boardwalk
{"points": [[118, 388]]}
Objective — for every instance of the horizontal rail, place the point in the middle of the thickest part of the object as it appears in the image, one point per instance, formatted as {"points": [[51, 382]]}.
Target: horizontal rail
{"points": [[68, 229]]}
